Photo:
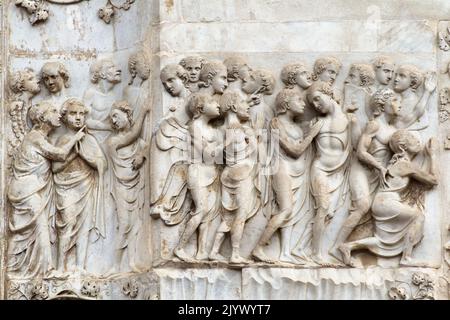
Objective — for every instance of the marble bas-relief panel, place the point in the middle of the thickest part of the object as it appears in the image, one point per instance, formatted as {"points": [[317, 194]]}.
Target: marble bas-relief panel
{"points": [[167, 162]]}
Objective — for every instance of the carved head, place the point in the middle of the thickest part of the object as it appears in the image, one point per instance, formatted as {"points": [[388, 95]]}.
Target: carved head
{"points": [[326, 69], [105, 69], [55, 77], [174, 78], [289, 99], [259, 81], [321, 96], [73, 112], [237, 68], [214, 74], [139, 65], [405, 141], [296, 74], [384, 69], [385, 100], [233, 101], [203, 104], [45, 112], [193, 65], [121, 116], [408, 76], [361, 75], [24, 80]]}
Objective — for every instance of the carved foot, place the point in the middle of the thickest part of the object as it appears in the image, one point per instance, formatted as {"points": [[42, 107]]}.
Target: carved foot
{"points": [[235, 259], [182, 255], [217, 257], [346, 254], [409, 262], [259, 254], [55, 274], [302, 257], [287, 258], [202, 256]]}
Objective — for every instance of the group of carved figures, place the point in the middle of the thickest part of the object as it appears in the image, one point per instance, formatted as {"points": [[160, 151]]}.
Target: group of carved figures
{"points": [[221, 152], [228, 154], [68, 156]]}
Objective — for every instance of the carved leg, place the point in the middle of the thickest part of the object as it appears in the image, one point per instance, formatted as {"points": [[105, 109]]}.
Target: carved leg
{"points": [[202, 252], [347, 248], [412, 238], [220, 236], [191, 227], [237, 231], [285, 255], [318, 228]]}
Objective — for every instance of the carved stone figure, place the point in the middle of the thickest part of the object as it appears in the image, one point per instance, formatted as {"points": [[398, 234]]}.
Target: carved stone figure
{"points": [[290, 181], [214, 78], [128, 153], [398, 207], [136, 93], [240, 197], [56, 78], [30, 193], [357, 91], [326, 69], [79, 190], [329, 170], [369, 171], [203, 174], [170, 142], [193, 65], [384, 68], [413, 114], [24, 86], [296, 74], [105, 75]]}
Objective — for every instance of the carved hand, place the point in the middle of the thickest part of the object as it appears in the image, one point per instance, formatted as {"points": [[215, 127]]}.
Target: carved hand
{"points": [[80, 134], [431, 147], [254, 100], [138, 161]]}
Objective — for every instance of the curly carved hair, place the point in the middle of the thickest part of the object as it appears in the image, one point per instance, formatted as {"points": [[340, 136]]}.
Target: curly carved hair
{"points": [[380, 61], [405, 141], [321, 64], [209, 71], [415, 74], [192, 59], [234, 64], [51, 67], [196, 103], [366, 74], [140, 56], [267, 80], [283, 98], [17, 80], [72, 102], [229, 100], [38, 110], [323, 87], [124, 107], [289, 73], [379, 100], [175, 70]]}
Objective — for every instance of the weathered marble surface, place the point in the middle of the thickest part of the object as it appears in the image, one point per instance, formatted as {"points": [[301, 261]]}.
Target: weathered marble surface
{"points": [[268, 35]]}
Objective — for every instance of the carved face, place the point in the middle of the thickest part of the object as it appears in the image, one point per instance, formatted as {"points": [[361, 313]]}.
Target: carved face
{"points": [[329, 74], [53, 117], [31, 83], [119, 120], [296, 105], [173, 84], [243, 110], [251, 84], [75, 117], [211, 109], [220, 81], [392, 106], [303, 79], [53, 81], [384, 74], [354, 77], [193, 68], [321, 102], [402, 80], [244, 72], [111, 73]]}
